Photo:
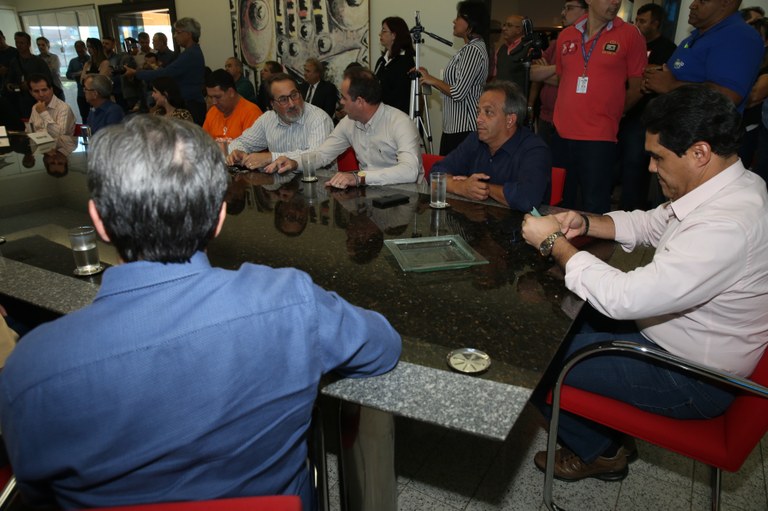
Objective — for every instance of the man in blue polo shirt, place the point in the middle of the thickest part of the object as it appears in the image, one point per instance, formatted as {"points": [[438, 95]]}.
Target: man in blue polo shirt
{"points": [[503, 160], [723, 53]]}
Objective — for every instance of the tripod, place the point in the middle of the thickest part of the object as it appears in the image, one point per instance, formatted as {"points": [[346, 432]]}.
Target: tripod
{"points": [[534, 44], [418, 91]]}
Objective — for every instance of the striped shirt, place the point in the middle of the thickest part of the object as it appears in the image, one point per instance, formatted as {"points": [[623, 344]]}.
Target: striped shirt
{"points": [[466, 74], [281, 139]]}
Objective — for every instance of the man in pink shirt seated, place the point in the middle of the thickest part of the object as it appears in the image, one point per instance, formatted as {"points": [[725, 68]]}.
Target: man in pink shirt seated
{"points": [[703, 297]]}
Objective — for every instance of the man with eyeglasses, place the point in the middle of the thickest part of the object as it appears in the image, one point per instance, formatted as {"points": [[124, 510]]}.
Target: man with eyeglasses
{"points": [[508, 61], [188, 69], [290, 128], [384, 139]]}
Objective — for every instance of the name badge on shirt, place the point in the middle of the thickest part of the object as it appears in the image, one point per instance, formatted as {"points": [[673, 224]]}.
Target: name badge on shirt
{"points": [[581, 85]]}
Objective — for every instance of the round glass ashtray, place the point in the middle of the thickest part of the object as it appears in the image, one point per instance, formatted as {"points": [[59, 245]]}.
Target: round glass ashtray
{"points": [[88, 270], [468, 361]]}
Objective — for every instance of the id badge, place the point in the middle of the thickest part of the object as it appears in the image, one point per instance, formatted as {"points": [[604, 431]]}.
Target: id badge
{"points": [[581, 85]]}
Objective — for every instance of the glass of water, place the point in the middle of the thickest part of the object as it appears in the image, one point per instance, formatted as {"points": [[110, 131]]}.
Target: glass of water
{"points": [[83, 242], [309, 167], [438, 192]]}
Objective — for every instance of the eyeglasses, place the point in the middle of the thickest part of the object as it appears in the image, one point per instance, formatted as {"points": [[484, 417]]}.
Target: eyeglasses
{"points": [[571, 7], [283, 100], [511, 25], [86, 89]]}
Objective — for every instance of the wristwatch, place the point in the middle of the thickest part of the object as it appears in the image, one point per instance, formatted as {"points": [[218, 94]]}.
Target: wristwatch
{"points": [[361, 175], [546, 246]]}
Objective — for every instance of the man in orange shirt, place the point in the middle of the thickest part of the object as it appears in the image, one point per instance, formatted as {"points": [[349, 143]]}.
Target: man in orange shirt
{"points": [[231, 114]]}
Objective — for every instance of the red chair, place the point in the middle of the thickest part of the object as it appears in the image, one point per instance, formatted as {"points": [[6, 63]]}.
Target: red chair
{"points": [[347, 161], [723, 443], [557, 184], [427, 160], [271, 503], [8, 483]]}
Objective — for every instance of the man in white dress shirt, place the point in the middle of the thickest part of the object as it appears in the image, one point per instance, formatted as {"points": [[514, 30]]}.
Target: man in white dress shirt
{"points": [[51, 115], [703, 297], [385, 140], [290, 128]]}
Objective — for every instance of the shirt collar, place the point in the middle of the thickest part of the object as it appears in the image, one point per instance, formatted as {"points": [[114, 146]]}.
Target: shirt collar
{"points": [[128, 276], [373, 120], [582, 23], [54, 104], [513, 142], [689, 202], [511, 46], [734, 18]]}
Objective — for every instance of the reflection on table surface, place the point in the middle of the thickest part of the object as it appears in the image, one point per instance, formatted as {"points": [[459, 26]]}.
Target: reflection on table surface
{"points": [[511, 308], [515, 308]]}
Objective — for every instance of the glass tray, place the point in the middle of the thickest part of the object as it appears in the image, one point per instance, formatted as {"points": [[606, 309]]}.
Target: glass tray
{"points": [[434, 253]]}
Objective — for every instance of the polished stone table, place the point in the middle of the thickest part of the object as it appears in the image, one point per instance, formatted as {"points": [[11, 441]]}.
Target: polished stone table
{"points": [[515, 308]]}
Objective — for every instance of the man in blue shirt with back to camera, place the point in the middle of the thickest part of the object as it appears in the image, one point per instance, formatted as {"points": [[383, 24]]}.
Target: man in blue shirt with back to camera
{"points": [[503, 160], [181, 381]]}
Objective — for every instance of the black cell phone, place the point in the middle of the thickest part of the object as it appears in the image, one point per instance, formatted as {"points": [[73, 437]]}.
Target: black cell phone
{"points": [[390, 200]]}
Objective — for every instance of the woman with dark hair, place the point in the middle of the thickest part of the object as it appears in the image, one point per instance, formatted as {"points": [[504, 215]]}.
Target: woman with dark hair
{"points": [[395, 62], [168, 100], [99, 63], [465, 75]]}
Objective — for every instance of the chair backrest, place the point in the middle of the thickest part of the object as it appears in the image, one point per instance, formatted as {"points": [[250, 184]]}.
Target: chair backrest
{"points": [[347, 161], [557, 184], [271, 503], [427, 160], [78, 130]]}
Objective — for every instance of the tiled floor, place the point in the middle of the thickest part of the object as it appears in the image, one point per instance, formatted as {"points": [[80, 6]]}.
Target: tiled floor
{"points": [[443, 470]]}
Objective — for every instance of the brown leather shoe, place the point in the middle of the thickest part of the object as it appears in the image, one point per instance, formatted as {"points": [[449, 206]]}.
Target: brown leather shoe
{"points": [[630, 448], [569, 467]]}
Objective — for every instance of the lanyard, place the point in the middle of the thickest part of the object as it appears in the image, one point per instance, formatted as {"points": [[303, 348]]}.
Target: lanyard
{"points": [[587, 56]]}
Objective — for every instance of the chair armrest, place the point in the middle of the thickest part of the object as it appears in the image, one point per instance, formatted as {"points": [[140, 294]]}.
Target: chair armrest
{"points": [[639, 350]]}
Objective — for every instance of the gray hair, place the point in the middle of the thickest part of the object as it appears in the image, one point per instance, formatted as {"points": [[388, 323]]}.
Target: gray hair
{"points": [[190, 25], [315, 63], [101, 84], [158, 185], [514, 101]]}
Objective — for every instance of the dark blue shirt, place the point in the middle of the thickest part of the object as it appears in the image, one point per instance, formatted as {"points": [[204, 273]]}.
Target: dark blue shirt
{"points": [[523, 165], [188, 70], [181, 382], [75, 69], [104, 115], [727, 54]]}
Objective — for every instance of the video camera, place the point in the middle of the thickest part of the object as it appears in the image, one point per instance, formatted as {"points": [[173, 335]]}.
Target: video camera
{"points": [[537, 42]]}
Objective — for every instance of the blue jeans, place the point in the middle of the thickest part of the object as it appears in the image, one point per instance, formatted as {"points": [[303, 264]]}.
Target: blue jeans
{"points": [[648, 386], [589, 175]]}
